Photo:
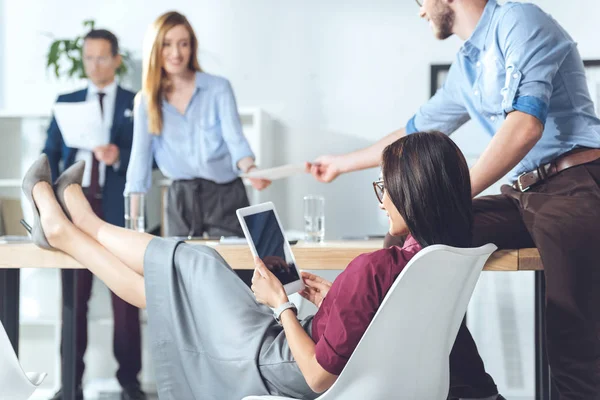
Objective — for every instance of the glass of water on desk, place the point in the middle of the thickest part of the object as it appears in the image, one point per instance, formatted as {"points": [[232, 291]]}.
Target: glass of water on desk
{"points": [[314, 218], [135, 210]]}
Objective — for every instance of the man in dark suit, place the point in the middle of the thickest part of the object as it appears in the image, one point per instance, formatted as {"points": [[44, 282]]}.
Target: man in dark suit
{"points": [[104, 183]]}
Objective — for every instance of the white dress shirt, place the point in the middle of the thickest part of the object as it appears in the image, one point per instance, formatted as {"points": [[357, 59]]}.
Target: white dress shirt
{"points": [[108, 104]]}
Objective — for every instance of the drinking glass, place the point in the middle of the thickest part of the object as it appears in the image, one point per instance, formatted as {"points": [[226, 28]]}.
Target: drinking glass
{"points": [[135, 208], [314, 218]]}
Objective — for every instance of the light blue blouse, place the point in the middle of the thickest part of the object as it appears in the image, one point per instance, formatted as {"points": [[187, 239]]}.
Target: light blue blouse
{"points": [[205, 142]]}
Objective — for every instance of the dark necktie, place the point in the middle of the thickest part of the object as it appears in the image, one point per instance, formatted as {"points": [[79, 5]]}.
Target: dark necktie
{"points": [[94, 188]]}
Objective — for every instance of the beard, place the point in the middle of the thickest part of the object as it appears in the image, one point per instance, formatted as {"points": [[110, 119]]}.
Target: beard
{"points": [[443, 21]]}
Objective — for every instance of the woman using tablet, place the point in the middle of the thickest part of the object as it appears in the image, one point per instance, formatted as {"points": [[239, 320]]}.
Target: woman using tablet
{"points": [[212, 337], [188, 120]]}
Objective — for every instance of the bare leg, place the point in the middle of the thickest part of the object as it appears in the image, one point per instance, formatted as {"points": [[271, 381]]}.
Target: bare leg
{"points": [[65, 236], [127, 245]]}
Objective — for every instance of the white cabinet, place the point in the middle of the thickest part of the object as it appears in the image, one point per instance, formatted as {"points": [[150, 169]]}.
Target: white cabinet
{"points": [[256, 125], [257, 128]]}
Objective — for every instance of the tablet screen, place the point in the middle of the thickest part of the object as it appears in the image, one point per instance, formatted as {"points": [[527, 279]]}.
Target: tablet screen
{"points": [[270, 245]]}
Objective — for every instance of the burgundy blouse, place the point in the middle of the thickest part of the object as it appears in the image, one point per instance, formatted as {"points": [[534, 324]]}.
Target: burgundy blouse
{"points": [[353, 300]]}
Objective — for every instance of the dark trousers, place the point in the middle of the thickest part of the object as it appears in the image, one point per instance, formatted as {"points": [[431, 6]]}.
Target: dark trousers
{"points": [[561, 217], [196, 206], [126, 334]]}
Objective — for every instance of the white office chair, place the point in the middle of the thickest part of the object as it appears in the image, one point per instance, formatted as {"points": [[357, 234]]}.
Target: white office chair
{"points": [[404, 354], [14, 383]]}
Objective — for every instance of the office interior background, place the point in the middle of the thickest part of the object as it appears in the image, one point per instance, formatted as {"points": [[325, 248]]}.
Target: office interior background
{"points": [[323, 77]]}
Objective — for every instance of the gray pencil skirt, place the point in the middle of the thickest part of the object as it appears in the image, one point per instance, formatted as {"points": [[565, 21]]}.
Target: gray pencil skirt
{"points": [[209, 338]]}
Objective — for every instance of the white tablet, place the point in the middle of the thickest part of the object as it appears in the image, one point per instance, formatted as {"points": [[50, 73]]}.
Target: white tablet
{"points": [[264, 233]]}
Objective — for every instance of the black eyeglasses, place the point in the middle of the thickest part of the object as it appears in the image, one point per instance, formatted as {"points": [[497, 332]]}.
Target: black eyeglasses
{"points": [[379, 190], [420, 3]]}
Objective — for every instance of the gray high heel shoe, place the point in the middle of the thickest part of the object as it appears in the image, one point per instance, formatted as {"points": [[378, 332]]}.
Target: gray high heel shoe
{"points": [[38, 172], [71, 176]]}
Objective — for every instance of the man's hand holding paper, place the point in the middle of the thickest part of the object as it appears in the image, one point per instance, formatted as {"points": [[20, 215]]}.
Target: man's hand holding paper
{"points": [[108, 154], [81, 124]]}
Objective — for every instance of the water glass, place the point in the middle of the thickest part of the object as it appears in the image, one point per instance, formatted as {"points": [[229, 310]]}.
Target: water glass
{"points": [[314, 218], [135, 210]]}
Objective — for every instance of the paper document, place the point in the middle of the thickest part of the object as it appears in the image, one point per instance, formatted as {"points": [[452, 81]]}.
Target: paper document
{"points": [[272, 174], [81, 124]]}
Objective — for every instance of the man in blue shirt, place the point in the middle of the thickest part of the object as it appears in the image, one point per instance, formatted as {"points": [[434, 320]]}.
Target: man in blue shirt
{"points": [[520, 75]]}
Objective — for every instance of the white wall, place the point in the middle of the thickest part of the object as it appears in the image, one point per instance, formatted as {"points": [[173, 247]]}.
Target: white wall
{"points": [[2, 35]]}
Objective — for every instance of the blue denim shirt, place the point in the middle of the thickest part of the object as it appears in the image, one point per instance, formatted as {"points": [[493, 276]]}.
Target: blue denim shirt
{"points": [[205, 142], [518, 58]]}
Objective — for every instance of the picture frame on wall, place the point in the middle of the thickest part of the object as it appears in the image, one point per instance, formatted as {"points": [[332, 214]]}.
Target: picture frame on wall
{"points": [[439, 73], [592, 72]]}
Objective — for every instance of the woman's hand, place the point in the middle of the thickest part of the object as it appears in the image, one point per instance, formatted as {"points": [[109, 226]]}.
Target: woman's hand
{"points": [[316, 288], [257, 183], [267, 289]]}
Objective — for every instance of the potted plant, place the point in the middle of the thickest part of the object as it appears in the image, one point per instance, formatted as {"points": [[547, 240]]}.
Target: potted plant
{"points": [[65, 56]]}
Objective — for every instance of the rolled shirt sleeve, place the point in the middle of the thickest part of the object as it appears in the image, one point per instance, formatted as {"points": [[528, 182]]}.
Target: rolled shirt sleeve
{"points": [[444, 112], [534, 47], [236, 142], [139, 172]]}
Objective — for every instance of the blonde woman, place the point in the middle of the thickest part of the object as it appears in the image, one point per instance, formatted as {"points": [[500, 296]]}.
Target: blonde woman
{"points": [[188, 121]]}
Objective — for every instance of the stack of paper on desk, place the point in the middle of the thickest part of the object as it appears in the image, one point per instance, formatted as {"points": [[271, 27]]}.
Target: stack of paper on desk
{"points": [[81, 124]]}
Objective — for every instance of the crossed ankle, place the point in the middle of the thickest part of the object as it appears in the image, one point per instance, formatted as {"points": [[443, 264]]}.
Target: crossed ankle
{"points": [[77, 206], [54, 229]]}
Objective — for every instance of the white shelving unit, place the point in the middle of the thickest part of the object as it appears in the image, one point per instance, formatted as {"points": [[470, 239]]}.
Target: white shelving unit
{"points": [[257, 128], [256, 125]]}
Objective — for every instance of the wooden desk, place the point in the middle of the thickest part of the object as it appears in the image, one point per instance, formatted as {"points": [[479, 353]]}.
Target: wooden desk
{"points": [[332, 255]]}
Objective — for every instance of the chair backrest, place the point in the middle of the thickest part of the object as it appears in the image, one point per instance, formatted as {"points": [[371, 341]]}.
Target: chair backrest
{"points": [[404, 354], [14, 383]]}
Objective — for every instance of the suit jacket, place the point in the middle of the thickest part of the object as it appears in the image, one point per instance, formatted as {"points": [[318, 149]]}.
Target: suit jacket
{"points": [[121, 134]]}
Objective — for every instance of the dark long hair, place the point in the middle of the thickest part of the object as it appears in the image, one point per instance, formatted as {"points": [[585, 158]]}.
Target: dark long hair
{"points": [[427, 178]]}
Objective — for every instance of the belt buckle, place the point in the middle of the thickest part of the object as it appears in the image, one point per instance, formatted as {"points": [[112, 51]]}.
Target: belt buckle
{"points": [[520, 185]]}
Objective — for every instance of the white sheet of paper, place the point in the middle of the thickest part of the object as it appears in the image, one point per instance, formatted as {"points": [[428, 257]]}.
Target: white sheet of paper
{"points": [[274, 173], [81, 124]]}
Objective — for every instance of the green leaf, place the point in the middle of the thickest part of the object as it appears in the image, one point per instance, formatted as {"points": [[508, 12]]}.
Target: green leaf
{"points": [[78, 43], [89, 23], [53, 54], [67, 45]]}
